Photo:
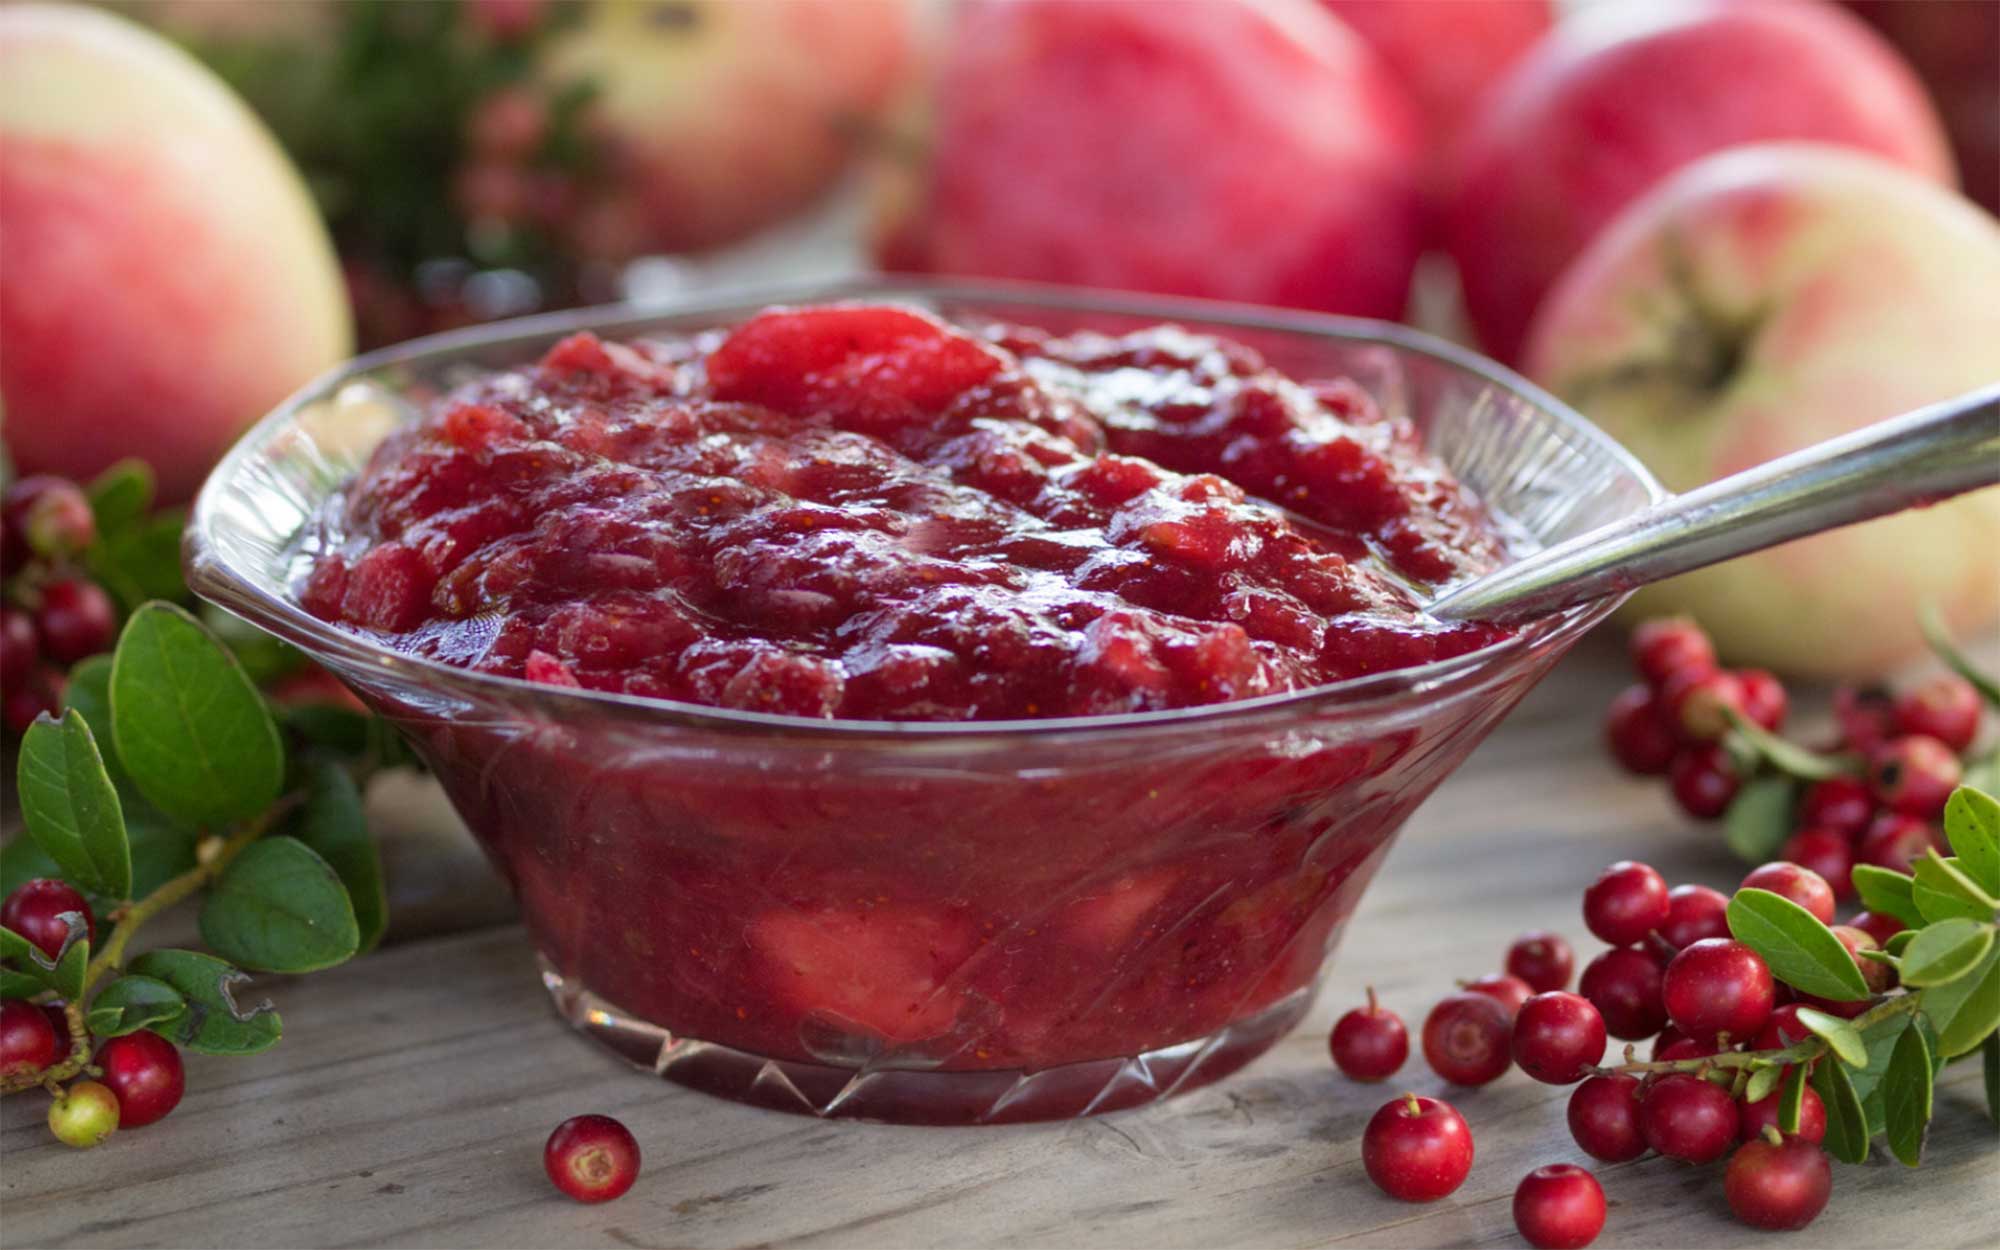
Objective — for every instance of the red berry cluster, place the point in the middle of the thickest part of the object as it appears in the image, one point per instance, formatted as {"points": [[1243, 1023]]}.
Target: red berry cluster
{"points": [[141, 1078], [1671, 724], [51, 614]]}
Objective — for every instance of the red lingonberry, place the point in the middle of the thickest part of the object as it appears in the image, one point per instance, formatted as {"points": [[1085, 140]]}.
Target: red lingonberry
{"points": [[1795, 882], [1557, 1035], [27, 1043], [1670, 645], [1703, 780], [1866, 716], [1369, 1043], [1417, 1149], [75, 620], [1827, 854], [51, 514], [1700, 705], [37, 909], [1509, 990], [1718, 986], [1781, 1030], [1638, 734], [145, 1071], [1778, 1185], [40, 695], [1895, 841], [1684, 1117], [1626, 902], [84, 1114], [1754, 1117], [1945, 707], [592, 1158], [1764, 699], [1542, 959], [1683, 1047], [1624, 985], [1914, 774], [20, 650], [1877, 925], [1842, 804], [1694, 912], [1466, 1038], [1604, 1118], [1559, 1207]]}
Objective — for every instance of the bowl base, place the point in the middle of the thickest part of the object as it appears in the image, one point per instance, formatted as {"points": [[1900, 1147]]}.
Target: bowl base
{"points": [[912, 1096]]}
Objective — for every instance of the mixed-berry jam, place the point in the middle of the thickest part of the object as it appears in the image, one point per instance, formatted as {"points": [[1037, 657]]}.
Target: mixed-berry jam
{"points": [[864, 513]]}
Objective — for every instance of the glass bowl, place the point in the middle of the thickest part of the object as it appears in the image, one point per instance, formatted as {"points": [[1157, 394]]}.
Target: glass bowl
{"points": [[937, 923]]}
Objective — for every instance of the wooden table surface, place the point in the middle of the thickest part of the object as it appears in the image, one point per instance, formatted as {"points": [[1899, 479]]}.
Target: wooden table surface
{"points": [[408, 1102]]}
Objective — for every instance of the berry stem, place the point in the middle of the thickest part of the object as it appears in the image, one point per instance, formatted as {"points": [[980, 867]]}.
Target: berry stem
{"points": [[1798, 1052]]}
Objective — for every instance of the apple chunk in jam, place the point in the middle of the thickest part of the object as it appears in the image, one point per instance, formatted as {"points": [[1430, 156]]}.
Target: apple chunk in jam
{"points": [[861, 512]]}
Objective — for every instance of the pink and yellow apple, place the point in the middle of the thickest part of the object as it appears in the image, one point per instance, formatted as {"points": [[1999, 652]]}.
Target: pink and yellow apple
{"points": [[1622, 94], [1244, 151], [1765, 299], [164, 277]]}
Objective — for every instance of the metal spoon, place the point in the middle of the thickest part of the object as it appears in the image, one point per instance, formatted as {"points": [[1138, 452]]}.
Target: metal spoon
{"points": [[1910, 461]]}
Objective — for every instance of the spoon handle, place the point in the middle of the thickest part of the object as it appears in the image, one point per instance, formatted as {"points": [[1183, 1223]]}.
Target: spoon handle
{"points": [[1910, 461]]}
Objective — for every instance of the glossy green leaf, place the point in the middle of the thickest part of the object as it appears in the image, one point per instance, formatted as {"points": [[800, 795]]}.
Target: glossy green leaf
{"points": [[1842, 1038], [121, 495], [1900, 940], [1846, 1123], [1941, 891], [1786, 756], [333, 824], [1906, 1097], [1881, 1038], [141, 562], [214, 1023], [1964, 1020], [1762, 1082], [1944, 952], [1802, 952], [71, 807], [191, 728], [67, 979], [88, 691], [132, 1003], [1791, 1098], [280, 908], [1972, 826], [21, 860], [14, 947], [1760, 819], [19, 984], [1886, 893]]}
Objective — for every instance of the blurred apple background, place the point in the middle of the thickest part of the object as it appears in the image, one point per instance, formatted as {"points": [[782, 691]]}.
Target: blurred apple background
{"points": [[1609, 195]]}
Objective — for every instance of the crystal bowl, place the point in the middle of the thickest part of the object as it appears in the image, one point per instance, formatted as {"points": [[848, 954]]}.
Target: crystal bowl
{"points": [[935, 923]]}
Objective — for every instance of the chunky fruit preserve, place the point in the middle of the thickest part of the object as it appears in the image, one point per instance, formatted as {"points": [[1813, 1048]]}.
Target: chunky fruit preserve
{"points": [[864, 514]]}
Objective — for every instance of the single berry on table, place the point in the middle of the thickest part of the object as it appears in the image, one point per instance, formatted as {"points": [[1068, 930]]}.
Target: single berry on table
{"points": [[1754, 1117], [1866, 716], [1877, 925], [1945, 707], [1778, 1185], [1417, 1149], [36, 910], [1624, 985], [1826, 854], [1509, 990], [1896, 840], [1559, 1207], [1717, 987], [1914, 774], [1701, 705], [1764, 699], [1369, 1043], [1638, 734], [1703, 780], [1795, 882], [592, 1158], [51, 515], [20, 650], [1558, 1035], [1842, 804], [1626, 902], [84, 1114], [1670, 645], [1542, 959], [144, 1070], [75, 621], [27, 1042], [1684, 1117], [1604, 1118], [1694, 912], [1466, 1038]]}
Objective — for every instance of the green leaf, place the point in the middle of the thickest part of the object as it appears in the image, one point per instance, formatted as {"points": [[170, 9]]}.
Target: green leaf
{"points": [[88, 691], [1881, 1038], [1991, 1050], [1945, 951], [1941, 891], [1791, 1098], [214, 1024], [161, 849], [121, 495], [341, 730], [1886, 892], [67, 979], [1963, 1020], [19, 984], [21, 860], [264, 657], [191, 728], [1972, 826], [72, 808], [280, 908], [1762, 1082], [132, 1003], [141, 562], [1840, 1037], [1900, 940], [1784, 755], [1846, 1122], [333, 824], [14, 946], [1760, 819], [1906, 1097], [1939, 637], [1802, 952]]}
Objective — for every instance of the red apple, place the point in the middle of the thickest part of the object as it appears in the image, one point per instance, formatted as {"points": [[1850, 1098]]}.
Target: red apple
{"points": [[1621, 95], [1253, 152], [1955, 47], [723, 116], [1768, 298], [164, 277]]}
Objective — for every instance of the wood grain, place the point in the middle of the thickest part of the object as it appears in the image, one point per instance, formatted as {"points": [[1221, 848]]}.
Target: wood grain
{"points": [[408, 1102]]}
